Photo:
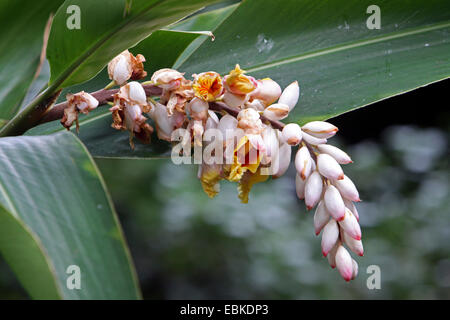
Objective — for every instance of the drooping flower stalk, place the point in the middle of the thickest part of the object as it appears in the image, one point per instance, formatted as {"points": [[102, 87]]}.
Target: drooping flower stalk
{"points": [[247, 144]]}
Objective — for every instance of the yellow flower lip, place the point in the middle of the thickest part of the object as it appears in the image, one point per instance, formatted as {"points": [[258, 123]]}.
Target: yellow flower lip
{"points": [[208, 86], [238, 83]]}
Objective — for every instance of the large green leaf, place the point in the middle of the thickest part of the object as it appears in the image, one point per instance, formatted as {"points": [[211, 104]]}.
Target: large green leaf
{"points": [[340, 64], [106, 29], [22, 23], [58, 213]]}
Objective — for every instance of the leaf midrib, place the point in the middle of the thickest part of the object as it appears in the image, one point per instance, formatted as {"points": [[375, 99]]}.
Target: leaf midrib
{"points": [[350, 45]]}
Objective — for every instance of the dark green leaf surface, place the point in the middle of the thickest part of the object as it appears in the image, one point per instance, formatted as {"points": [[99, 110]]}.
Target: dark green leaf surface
{"points": [[106, 29], [52, 187], [340, 64], [22, 23]]}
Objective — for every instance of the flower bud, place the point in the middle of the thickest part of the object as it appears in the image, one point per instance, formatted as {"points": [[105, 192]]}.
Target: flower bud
{"points": [[234, 100], [332, 255], [303, 162], [329, 236], [270, 137], [292, 134], [355, 245], [290, 95], [351, 225], [313, 140], [320, 127], [321, 216], [329, 168], [344, 263], [133, 114], [351, 206], [168, 79], [284, 159], [249, 121], [83, 101], [276, 111], [334, 203], [136, 93], [313, 190], [347, 189], [213, 120], [339, 155], [355, 269], [198, 109], [164, 124], [256, 104], [300, 189], [267, 91]]}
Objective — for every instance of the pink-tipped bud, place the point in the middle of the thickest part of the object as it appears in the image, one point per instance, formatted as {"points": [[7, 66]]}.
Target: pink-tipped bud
{"points": [[339, 155], [347, 189], [292, 134], [300, 188], [344, 263], [313, 190], [319, 127], [329, 168], [351, 225], [313, 140], [321, 216], [355, 245], [329, 236], [303, 162], [351, 206], [334, 203], [290, 95], [331, 257], [355, 269], [276, 111]]}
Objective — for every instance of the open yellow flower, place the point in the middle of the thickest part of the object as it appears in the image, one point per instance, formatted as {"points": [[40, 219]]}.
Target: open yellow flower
{"points": [[238, 83], [207, 86]]}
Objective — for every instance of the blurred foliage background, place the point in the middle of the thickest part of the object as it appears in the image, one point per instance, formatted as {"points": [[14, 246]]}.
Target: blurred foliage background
{"points": [[186, 246]]}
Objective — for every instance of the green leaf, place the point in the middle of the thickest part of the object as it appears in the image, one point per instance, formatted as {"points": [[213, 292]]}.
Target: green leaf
{"points": [[340, 64], [23, 23], [56, 203], [106, 29]]}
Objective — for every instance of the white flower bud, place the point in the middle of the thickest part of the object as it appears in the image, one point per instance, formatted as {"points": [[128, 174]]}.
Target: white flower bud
{"points": [[300, 188], [329, 236], [340, 156], [234, 100], [198, 108], [248, 114], [120, 69], [319, 127], [136, 93], [267, 91], [344, 263], [133, 113], [213, 120], [347, 189], [270, 137], [276, 111], [355, 269], [284, 159], [321, 216], [351, 206], [328, 167], [290, 95], [227, 125], [292, 134], [255, 104], [355, 245], [334, 203], [313, 190], [350, 225], [303, 162], [166, 78], [313, 140], [164, 124]]}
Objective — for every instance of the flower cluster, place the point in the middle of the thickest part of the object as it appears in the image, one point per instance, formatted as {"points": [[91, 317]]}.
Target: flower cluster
{"points": [[233, 121]]}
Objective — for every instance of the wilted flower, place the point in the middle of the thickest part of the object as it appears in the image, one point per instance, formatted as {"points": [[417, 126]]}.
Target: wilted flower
{"points": [[79, 102], [125, 66]]}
